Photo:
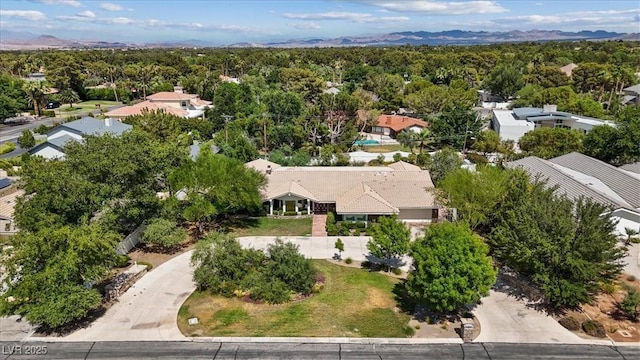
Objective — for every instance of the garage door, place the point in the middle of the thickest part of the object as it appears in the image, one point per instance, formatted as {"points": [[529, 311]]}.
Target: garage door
{"points": [[414, 214]]}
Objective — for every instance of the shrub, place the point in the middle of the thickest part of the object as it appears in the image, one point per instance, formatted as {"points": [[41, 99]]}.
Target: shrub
{"points": [[417, 327], [631, 304], [594, 328], [408, 331], [7, 147], [317, 288], [148, 265], [477, 158], [631, 278], [163, 233], [123, 260], [331, 219], [396, 271], [570, 323], [348, 260], [272, 291], [290, 213], [286, 264], [332, 230], [609, 288], [48, 113]]}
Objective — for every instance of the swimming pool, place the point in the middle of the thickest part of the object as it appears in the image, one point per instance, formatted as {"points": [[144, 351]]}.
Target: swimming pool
{"points": [[366, 142]]}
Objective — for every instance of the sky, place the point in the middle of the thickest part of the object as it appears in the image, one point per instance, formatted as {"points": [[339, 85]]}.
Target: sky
{"points": [[226, 22]]}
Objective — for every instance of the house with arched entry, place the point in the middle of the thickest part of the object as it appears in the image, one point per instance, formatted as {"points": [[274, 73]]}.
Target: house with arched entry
{"points": [[354, 193]]}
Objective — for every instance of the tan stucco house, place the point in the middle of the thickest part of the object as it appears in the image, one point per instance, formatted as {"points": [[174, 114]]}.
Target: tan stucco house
{"points": [[354, 193]]}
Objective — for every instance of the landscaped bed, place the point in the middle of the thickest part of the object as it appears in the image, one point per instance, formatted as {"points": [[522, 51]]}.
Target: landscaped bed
{"points": [[353, 303]]}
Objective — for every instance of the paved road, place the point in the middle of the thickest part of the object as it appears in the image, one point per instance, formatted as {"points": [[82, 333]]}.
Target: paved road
{"points": [[503, 318], [344, 351], [9, 133]]}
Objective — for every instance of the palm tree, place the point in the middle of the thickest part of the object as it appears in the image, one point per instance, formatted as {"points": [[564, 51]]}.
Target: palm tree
{"points": [[424, 138], [35, 91], [630, 233], [407, 138], [68, 96]]}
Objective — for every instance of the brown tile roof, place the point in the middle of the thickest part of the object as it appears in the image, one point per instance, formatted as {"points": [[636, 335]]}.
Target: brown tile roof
{"points": [[171, 96], [398, 123], [404, 166], [568, 69], [138, 108], [368, 190], [8, 203], [200, 102]]}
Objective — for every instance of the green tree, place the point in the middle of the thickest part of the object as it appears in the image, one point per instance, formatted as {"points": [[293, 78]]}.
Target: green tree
{"points": [[603, 143], [455, 127], [158, 124], [451, 268], [548, 142], [568, 249], [407, 138], [630, 305], [442, 163], [163, 233], [389, 240], [339, 245], [68, 96], [504, 80], [26, 140], [35, 91], [216, 185], [475, 195], [423, 138], [49, 273], [488, 141]]}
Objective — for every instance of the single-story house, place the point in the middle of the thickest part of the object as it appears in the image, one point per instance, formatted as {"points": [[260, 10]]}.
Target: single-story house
{"points": [[513, 124], [76, 131], [578, 175], [354, 193], [392, 125], [175, 102], [568, 69]]}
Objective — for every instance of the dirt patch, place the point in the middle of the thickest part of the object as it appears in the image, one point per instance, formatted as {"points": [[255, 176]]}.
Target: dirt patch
{"points": [[143, 253], [605, 310], [366, 265]]}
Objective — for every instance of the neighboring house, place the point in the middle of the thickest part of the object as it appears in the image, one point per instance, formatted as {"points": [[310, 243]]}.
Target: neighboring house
{"points": [[568, 69], [175, 102], [392, 125], [229, 79], [577, 175], [195, 148], [634, 167], [354, 193], [632, 95], [331, 91], [76, 131], [7, 205], [36, 76], [513, 124]]}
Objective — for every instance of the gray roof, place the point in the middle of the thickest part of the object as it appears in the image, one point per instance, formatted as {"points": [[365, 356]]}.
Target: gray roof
{"points": [[566, 184], [92, 126], [622, 183], [60, 141], [634, 88], [635, 167], [194, 150]]}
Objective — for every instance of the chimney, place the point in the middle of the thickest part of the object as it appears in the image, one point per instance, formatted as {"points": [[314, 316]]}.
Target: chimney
{"points": [[178, 89], [268, 170], [549, 108], [107, 122]]}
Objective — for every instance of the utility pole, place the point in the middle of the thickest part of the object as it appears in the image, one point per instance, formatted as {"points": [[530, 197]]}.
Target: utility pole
{"points": [[226, 131], [264, 126]]}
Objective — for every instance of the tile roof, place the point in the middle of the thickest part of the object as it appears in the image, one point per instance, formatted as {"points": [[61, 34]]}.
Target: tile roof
{"points": [[8, 203], [625, 185], [567, 184], [398, 123], [568, 69], [404, 166], [171, 96], [635, 167], [372, 190], [139, 108]]}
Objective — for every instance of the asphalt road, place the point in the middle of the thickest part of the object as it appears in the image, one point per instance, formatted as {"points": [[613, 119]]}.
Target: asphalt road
{"points": [[8, 133], [265, 351]]}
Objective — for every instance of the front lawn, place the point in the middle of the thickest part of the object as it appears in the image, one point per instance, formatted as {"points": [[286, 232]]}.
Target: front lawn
{"points": [[85, 106], [385, 148], [266, 226], [353, 303]]}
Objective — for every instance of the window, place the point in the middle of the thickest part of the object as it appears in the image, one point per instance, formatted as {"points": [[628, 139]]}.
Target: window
{"points": [[184, 104], [7, 227], [354, 217]]}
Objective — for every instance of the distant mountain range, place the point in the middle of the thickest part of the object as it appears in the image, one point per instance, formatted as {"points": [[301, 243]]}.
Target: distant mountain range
{"points": [[25, 40]]}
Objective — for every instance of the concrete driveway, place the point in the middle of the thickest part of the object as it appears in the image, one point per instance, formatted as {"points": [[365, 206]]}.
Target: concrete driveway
{"points": [[149, 309], [504, 318]]}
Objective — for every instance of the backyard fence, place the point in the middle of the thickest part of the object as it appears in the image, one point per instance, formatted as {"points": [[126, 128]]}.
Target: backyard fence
{"points": [[130, 241]]}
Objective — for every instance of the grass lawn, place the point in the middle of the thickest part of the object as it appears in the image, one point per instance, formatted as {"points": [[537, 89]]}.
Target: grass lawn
{"points": [[265, 226], [84, 106], [353, 303], [385, 148]]}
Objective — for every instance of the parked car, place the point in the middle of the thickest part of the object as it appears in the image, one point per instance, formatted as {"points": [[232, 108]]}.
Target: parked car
{"points": [[53, 105]]}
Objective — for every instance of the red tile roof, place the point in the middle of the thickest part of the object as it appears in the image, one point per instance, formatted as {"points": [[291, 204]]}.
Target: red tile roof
{"points": [[398, 123]]}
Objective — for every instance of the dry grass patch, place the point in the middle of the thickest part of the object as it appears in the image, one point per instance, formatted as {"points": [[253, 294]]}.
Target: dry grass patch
{"points": [[354, 303], [385, 148]]}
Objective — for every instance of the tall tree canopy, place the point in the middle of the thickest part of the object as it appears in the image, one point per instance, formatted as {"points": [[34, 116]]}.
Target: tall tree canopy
{"points": [[549, 142]]}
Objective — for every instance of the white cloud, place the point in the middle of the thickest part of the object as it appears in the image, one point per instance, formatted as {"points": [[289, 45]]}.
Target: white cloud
{"points": [[73, 3], [588, 18], [87, 14], [346, 16], [604, 12], [30, 15], [111, 6], [304, 25], [539, 4], [438, 7]]}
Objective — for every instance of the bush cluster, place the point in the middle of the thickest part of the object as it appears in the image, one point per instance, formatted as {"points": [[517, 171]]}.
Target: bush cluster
{"points": [[570, 323], [594, 328], [346, 228], [274, 276]]}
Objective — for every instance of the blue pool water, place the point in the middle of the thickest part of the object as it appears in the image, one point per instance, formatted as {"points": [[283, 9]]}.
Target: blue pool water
{"points": [[366, 142]]}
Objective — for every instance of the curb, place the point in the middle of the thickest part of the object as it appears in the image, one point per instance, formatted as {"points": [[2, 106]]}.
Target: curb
{"points": [[329, 340]]}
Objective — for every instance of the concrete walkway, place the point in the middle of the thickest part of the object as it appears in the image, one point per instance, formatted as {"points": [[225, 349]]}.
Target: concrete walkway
{"points": [[503, 318], [318, 226], [149, 309]]}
